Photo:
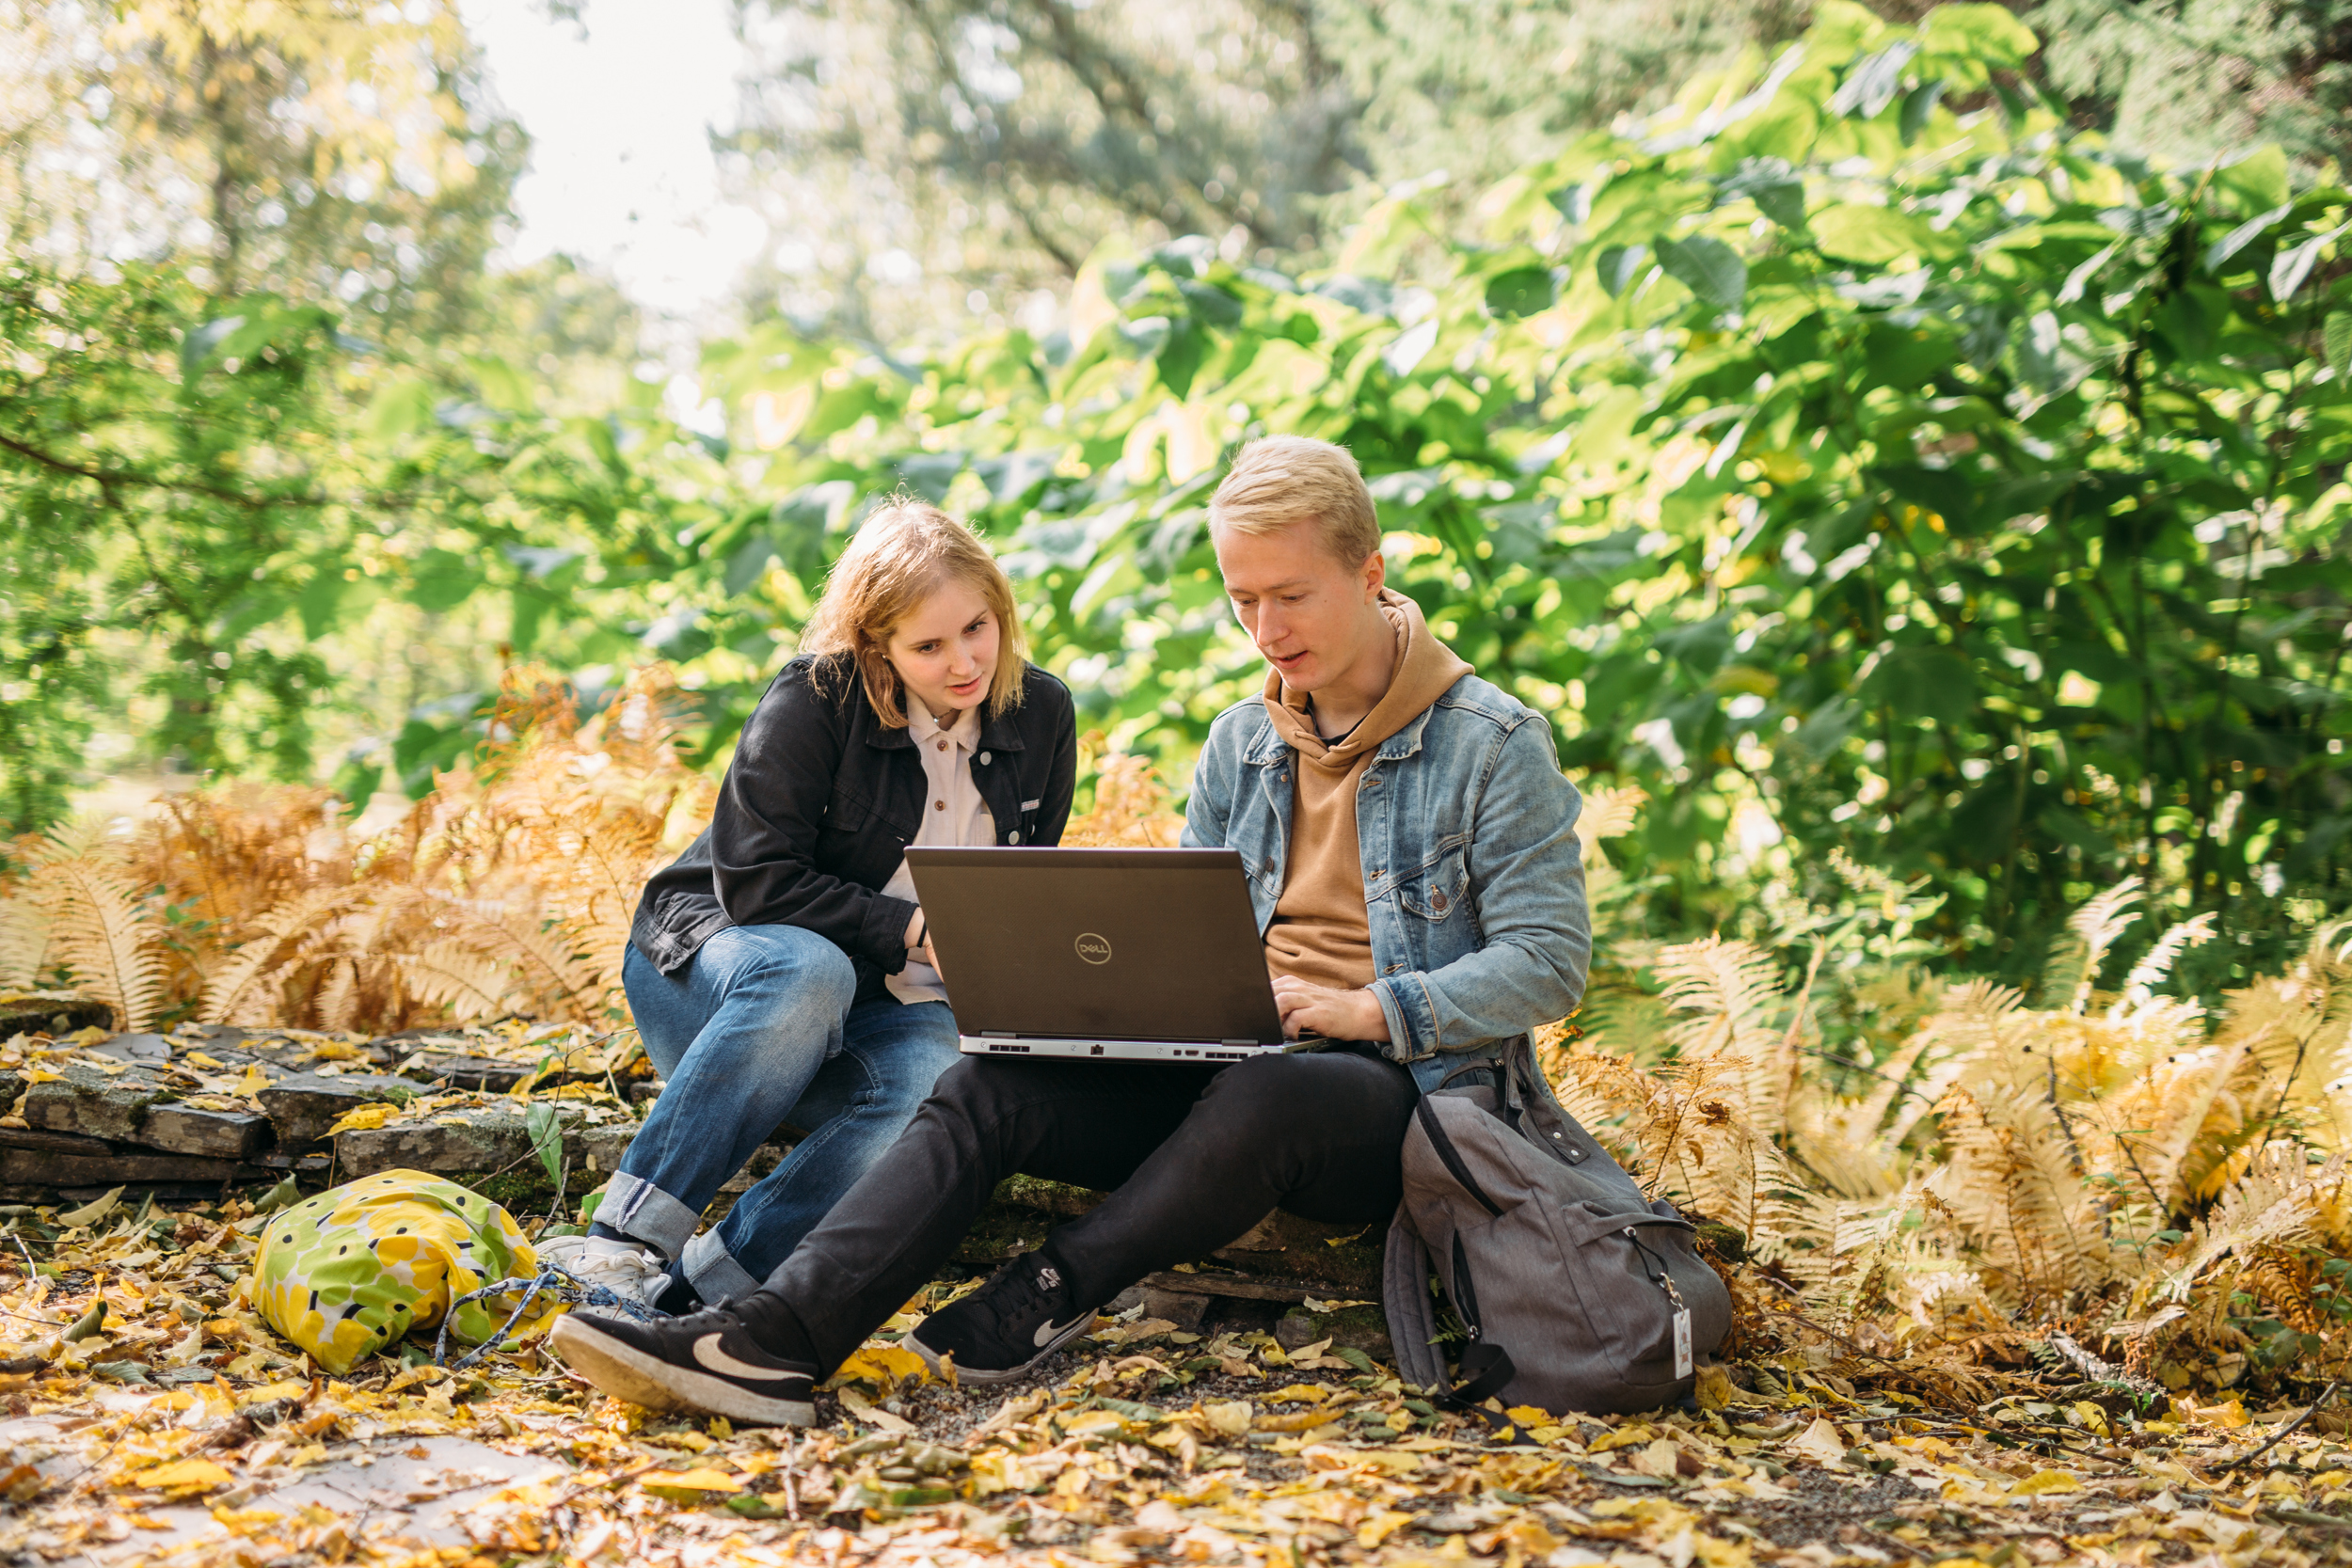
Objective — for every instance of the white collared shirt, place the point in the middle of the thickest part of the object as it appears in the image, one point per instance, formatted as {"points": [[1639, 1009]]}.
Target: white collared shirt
{"points": [[953, 816]]}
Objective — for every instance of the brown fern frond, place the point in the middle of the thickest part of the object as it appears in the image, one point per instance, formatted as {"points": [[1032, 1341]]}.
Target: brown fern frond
{"points": [[2281, 1199], [240, 989], [449, 975], [26, 925], [102, 937], [1610, 811], [2141, 984], [1130, 804], [2076, 963]]}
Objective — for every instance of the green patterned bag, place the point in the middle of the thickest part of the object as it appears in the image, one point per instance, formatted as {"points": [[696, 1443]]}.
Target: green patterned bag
{"points": [[347, 1273]]}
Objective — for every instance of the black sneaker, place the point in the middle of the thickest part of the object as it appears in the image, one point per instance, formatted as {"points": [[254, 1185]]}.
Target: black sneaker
{"points": [[1007, 1326], [707, 1362]]}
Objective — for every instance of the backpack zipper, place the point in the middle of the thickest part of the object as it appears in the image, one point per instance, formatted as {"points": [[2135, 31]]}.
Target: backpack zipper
{"points": [[1454, 1165], [1662, 1279]]}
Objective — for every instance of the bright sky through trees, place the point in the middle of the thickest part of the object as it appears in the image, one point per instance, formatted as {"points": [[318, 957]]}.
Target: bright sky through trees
{"points": [[621, 171]]}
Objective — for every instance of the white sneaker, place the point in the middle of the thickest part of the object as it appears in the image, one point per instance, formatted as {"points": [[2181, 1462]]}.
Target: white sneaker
{"points": [[628, 1272]]}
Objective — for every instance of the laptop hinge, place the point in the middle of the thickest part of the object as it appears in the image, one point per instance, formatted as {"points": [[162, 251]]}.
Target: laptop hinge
{"points": [[999, 1035]]}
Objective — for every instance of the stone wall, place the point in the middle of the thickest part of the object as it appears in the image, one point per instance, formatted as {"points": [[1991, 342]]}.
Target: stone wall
{"points": [[206, 1108]]}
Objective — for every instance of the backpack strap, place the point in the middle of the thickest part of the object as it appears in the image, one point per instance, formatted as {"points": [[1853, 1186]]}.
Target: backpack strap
{"points": [[1485, 1369], [1404, 1301]]}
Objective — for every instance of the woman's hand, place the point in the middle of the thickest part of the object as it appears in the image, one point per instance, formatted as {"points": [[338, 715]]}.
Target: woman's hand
{"points": [[920, 951], [1336, 1015]]}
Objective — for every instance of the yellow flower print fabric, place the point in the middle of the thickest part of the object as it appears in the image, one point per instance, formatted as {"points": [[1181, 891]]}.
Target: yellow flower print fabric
{"points": [[347, 1273]]}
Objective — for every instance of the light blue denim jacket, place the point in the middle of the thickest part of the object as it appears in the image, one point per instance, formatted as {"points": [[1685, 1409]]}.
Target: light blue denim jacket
{"points": [[1473, 879]]}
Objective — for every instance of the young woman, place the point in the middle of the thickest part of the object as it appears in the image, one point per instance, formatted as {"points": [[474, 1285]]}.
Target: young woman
{"points": [[781, 970]]}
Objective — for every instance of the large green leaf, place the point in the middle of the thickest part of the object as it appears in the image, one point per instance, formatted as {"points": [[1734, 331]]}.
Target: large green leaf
{"points": [[1860, 231], [1708, 267]]}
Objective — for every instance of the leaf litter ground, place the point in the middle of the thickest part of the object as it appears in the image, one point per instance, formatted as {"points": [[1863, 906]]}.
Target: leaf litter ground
{"points": [[177, 1428]]}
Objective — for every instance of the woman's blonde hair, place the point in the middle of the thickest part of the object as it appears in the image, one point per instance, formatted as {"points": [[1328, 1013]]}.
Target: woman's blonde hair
{"points": [[903, 553]]}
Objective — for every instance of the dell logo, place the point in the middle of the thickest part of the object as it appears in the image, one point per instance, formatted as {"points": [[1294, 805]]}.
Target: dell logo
{"points": [[1093, 949]]}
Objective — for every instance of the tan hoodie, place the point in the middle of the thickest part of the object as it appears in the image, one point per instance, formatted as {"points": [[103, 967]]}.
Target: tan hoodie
{"points": [[1320, 932]]}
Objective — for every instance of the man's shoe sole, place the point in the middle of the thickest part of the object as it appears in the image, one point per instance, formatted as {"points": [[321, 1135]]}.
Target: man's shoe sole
{"points": [[980, 1377], [626, 1372]]}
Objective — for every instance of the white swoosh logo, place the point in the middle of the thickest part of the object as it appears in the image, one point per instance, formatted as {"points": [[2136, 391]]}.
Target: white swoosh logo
{"points": [[707, 1350], [1045, 1334]]}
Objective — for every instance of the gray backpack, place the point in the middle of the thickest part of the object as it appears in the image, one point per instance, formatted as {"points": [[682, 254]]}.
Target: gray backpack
{"points": [[1576, 1292]]}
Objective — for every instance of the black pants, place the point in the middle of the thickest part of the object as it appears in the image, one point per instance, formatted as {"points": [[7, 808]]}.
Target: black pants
{"points": [[1197, 1155]]}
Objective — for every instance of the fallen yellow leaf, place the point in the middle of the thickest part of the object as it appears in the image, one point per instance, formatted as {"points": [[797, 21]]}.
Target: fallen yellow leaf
{"points": [[872, 1414], [1232, 1418], [365, 1119], [198, 1058], [336, 1051], [2042, 1482], [700, 1479], [1528, 1416], [1819, 1443], [254, 1081], [187, 1475], [92, 1212], [887, 1366], [1379, 1527], [1660, 1459]]}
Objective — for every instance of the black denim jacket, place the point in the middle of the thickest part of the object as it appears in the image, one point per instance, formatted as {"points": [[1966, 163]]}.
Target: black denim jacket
{"points": [[819, 805]]}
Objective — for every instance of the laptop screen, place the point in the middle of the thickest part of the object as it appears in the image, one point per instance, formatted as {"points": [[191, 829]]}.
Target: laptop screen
{"points": [[1118, 944]]}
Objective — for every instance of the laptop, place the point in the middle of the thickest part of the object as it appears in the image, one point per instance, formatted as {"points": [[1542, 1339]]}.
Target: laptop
{"points": [[1123, 954]]}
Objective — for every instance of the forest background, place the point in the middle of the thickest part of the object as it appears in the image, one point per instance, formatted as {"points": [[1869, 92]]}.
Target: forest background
{"points": [[1907, 447], [1900, 452]]}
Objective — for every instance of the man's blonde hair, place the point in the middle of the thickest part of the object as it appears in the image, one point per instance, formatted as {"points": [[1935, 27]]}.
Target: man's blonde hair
{"points": [[904, 553], [1277, 480]]}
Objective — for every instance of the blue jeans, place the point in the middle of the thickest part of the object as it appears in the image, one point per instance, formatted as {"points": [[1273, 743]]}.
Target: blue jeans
{"points": [[761, 1028]]}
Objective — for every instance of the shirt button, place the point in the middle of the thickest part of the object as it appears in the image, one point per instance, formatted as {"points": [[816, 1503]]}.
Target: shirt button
{"points": [[942, 745], [939, 805]]}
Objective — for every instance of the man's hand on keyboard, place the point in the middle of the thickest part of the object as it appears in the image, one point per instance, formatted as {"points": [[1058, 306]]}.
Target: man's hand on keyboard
{"points": [[1339, 1015]]}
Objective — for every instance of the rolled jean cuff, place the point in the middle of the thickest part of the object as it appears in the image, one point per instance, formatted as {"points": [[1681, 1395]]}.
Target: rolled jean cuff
{"points": [[638, 1209], [713, 1270]]}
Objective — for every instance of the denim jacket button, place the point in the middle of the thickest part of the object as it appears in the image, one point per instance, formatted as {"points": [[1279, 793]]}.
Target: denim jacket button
{"points": [[983, 759]]}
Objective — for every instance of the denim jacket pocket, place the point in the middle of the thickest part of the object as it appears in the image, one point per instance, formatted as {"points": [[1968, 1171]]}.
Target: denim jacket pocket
{"points": [[1438, 890]]}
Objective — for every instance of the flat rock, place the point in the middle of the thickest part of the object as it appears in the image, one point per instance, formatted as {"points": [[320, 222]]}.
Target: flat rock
{"points": [[41, 1159], [303, 1105], [478, 1141], [1184, 1308], [191, 1130], [145, 1049], [1346, 1259], [52, 1013], [1364, 1328], [460, 1070], [11, 1084], [93, 1102]]}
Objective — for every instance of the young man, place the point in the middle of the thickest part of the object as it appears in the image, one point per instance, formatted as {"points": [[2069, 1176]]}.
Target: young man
{"points": [[1411, 853]]}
